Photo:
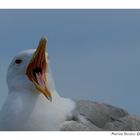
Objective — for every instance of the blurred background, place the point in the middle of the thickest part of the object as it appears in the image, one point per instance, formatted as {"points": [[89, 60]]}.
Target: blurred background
{"points": [[94, 54]]}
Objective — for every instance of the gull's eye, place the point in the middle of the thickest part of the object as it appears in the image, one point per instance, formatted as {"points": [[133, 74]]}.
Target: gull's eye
{"points": [[18, 61]]}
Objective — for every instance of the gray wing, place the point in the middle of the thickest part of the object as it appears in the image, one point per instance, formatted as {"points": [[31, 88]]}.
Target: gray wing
{"points": [[95, 116]]}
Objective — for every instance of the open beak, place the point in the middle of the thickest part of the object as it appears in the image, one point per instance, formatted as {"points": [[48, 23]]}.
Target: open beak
{"points": [[36, 69]]}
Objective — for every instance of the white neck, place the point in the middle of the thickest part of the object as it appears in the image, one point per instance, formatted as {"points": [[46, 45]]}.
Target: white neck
{"points": [[33, 111]]}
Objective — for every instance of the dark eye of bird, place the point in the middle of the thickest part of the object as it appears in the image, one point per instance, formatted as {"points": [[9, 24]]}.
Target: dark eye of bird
{"points": [[18, 61]]}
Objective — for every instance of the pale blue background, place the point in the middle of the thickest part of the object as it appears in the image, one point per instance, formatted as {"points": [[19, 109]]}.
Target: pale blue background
{"points": [[95, 54]]}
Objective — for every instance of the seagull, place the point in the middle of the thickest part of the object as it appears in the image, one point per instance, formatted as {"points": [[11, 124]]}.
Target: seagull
{"points": [[33, 103]]}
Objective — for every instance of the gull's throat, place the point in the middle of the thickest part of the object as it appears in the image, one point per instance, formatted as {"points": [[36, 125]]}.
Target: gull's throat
{"points": [[36, 70]]}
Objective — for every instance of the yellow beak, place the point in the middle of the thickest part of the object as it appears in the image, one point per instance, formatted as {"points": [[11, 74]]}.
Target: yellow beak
{"points": [[36, 69]]}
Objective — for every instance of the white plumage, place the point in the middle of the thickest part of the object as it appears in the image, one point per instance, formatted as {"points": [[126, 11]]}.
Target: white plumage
{"points": [[34, 104], [26, 108]]}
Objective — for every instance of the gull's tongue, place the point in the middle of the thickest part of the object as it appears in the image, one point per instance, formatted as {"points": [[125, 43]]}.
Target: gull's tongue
{"points": [[40, 80]]}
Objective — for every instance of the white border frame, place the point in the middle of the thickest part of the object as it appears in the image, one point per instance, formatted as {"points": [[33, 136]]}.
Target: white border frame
{"points": [[69, 4]]}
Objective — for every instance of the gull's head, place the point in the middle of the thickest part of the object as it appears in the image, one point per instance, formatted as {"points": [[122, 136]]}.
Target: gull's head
{"points": [[27, 71]]}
